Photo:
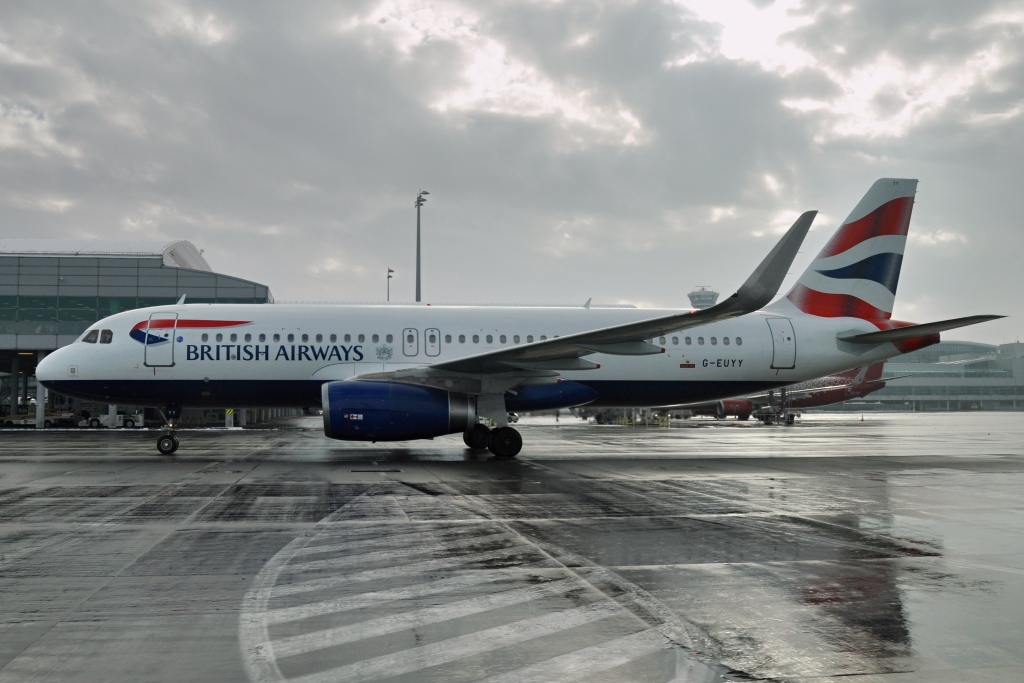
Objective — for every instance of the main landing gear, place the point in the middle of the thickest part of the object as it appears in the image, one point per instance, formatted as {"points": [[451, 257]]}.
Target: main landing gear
{"points": [[168, 443], [503, 442]]}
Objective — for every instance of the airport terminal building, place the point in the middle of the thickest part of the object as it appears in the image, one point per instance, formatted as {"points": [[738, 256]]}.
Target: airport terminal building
{"points": [[952, 376], [52, 290]]}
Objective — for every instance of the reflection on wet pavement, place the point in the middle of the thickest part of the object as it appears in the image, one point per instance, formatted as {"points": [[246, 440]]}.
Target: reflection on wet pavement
{"points": [[884, 550]]}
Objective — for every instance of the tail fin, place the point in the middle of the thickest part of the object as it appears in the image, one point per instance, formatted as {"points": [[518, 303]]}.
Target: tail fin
{"points": [[856, 274]]}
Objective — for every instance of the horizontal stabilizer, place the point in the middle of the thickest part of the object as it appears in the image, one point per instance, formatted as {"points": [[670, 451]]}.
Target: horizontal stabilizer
{"points": [[911, 331]]}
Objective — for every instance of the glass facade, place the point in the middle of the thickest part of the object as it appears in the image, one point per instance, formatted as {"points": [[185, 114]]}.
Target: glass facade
{"points": [[62, 296]]}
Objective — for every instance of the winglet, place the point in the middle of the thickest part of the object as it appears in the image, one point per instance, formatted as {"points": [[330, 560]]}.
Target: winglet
{"points": [[587, 305], [182, 299], [764, 283]]}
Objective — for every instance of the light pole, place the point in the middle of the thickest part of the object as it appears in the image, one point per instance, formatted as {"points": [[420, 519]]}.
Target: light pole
{"points": [[389, 284], [420, 201]]}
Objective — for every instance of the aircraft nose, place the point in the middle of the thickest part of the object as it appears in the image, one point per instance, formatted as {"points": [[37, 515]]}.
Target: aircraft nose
{"points": [[47, 369]]}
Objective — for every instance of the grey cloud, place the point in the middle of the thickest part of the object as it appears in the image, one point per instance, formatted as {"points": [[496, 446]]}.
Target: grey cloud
{"points": [[292, 149]]}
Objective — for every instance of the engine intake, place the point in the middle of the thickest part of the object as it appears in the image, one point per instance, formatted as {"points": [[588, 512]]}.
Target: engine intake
{"points": [[364, 410]]}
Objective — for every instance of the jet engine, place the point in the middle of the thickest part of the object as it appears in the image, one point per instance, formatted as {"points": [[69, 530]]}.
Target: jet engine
{"points": [[734, 406], [364, 410]]}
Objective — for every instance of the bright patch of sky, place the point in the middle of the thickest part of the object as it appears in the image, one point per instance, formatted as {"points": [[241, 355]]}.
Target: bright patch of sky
{"points": [[495, 81], [884, 97]]}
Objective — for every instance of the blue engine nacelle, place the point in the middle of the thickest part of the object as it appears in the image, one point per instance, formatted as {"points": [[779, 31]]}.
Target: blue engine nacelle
{"points": [[388, 411], [549, 396]]}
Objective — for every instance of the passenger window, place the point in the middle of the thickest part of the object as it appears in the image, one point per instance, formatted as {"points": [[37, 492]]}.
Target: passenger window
{"points": [[205, 337], [277, 337], [476, 338], [447, 339], [700, 341], [725, 340], [409, 339], [376, 338], [234, 337], [490, 339], [462, 339], [220, 337], [90, 338], [248, 337], [305, 338], [515, 339], [543, 337], [319, 338], [291, 337], [675, 341], [687, 341], [334, 338], [661, 340], [714, 341], [263, 337], [739, 341], [529, 339], [502, 339], [362, 338], [106, 336], [348, 338], [390, 338]]}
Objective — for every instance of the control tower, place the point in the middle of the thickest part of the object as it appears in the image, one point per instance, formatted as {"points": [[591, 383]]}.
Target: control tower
{"points": [[702, 297]]}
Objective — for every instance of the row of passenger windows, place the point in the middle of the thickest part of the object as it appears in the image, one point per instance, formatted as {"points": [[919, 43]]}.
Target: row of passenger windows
{"points": [[361, 338], [104, 336], [700, 341]]}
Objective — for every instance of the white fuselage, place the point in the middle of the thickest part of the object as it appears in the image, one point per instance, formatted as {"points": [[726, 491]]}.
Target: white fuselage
{"points": [[234, 355]]}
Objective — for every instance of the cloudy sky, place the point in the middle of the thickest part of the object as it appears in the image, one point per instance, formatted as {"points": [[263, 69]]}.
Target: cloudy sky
{"points": [[624, 151]]}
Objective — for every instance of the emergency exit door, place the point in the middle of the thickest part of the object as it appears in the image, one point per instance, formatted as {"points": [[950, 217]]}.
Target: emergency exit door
{"points": [[783, 343], [410, 341], [159, 344]]}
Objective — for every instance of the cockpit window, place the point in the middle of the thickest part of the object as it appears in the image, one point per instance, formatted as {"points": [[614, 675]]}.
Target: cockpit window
{"points": [[106, 336], [90, 336]]}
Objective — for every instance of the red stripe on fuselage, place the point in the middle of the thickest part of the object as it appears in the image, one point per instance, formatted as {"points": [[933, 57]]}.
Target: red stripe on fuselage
{"points": [[891, 218], [171, 322]]}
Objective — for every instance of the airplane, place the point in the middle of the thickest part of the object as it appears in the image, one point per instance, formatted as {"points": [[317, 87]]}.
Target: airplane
{"points": [[815, 393], [404, 372]]}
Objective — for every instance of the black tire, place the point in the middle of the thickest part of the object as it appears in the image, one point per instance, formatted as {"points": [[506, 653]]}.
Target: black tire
{"points": [[505, 442], [167, 444], [744, 416], [47, 424], [129, 423], [477, 437], [94, 423]]}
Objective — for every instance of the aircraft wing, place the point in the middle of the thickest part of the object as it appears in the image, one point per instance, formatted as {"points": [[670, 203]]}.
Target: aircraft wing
{"points": [[566, 352]]}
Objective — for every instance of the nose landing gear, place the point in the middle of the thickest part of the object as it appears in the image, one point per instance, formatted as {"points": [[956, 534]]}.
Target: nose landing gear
{"points": [[168, 443]]}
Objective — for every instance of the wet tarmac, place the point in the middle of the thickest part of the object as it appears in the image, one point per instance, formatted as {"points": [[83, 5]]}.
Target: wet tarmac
{"points": [[887, 550]]}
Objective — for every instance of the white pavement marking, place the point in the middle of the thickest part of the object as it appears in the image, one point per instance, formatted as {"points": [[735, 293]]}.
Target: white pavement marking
{"points": [[319, 640], [422, 536], [426, 656], [457, 562], [363, 600], [385, 555], [588, 661]]}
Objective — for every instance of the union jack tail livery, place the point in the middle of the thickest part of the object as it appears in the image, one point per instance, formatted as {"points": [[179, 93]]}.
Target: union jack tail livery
{"points": [[856, 274]]}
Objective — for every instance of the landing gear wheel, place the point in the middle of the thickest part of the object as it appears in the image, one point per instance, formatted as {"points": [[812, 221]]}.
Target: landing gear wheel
{"points": [[505, 442], [167, 444], [477, 437]]}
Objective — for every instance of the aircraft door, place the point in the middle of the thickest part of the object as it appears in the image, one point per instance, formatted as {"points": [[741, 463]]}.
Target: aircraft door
{"points": [[432, 341], [410, 341], [783, 343], [159, 343]]}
